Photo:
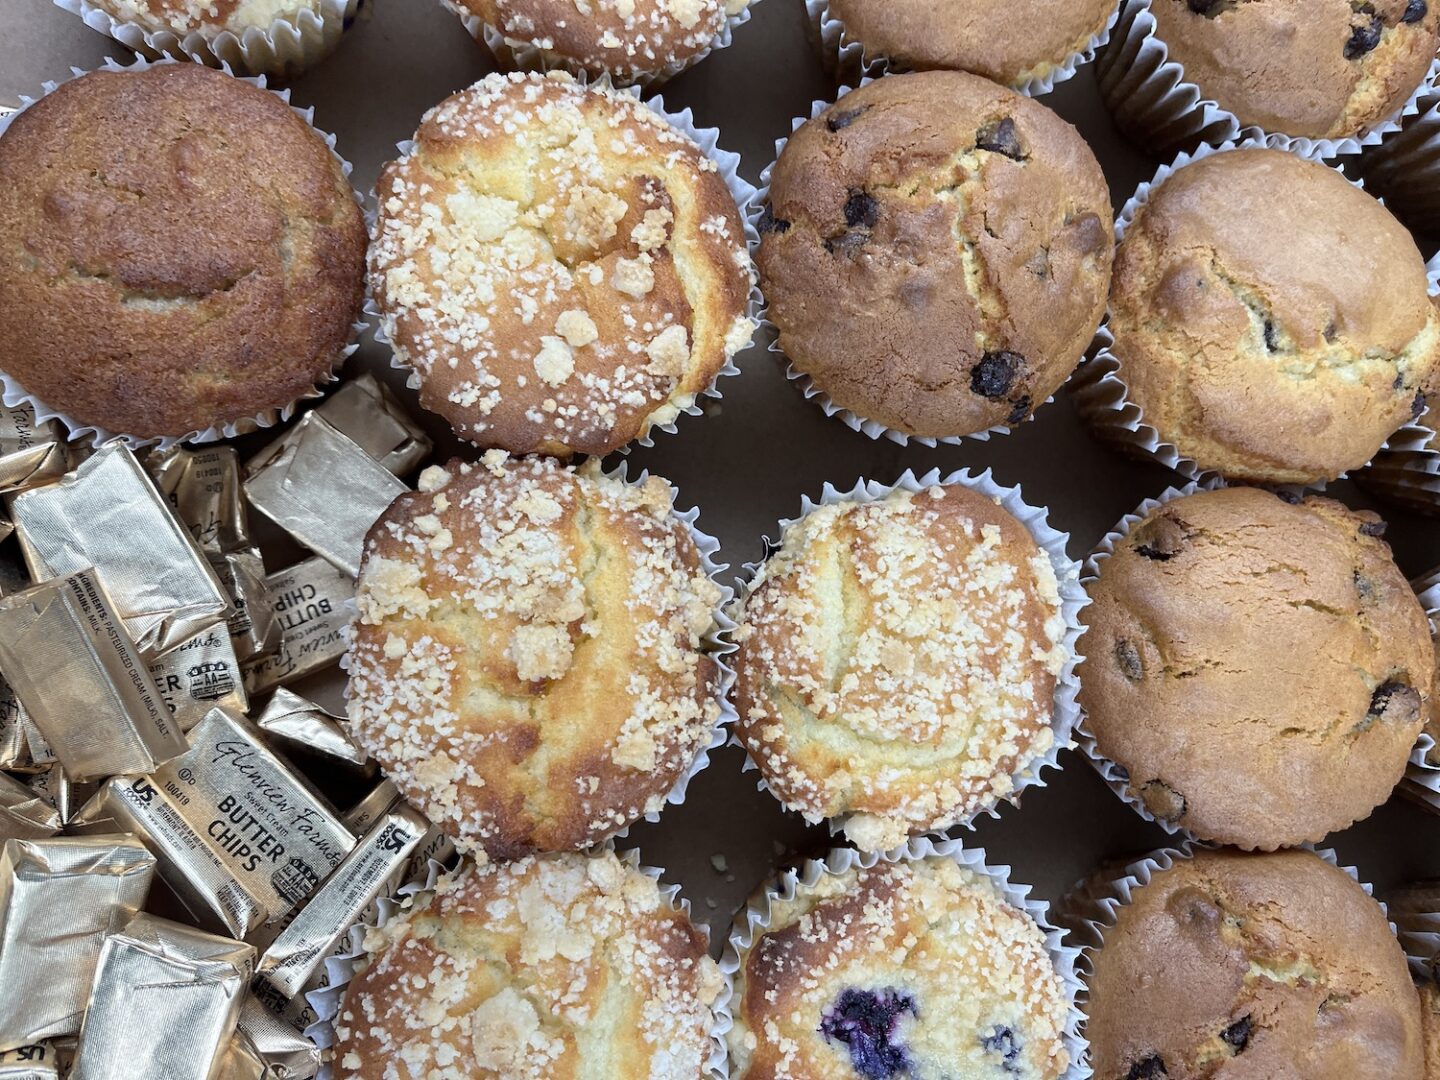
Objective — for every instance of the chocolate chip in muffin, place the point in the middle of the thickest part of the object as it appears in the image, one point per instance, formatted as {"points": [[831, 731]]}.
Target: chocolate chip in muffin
{"points": [[769, 223], [1237, 1035], [1394, 702], [1272, 337], [1419, 405], [1001, 137], [1415, 10], [838, 121], [1211, 8], [1162, 800], [1366, 36], [1149, 1068], [861, 210], [995, 374], [1128, 657], [1161, 538]]}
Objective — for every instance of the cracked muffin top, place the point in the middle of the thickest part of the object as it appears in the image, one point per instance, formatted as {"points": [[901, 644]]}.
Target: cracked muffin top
{"points": [[1259, 668], [1277, 339], [1321, 69], [560, 267], [209, 17], [936, 252], [562, 967], [528, 662], [916, 968], [181, 250], [898, 660], [1252, 967]]}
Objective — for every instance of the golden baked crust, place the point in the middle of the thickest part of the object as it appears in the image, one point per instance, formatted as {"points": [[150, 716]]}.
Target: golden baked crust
{"points": [[527, 665], [1254, 967], [561, 267], [566, 967], [897, 662], [936, 252], [1009, 42], [1323, 69], [186, 251], [210, 17], [1279, 339], [1430, 1028], [1259, 668], [918, 968]]}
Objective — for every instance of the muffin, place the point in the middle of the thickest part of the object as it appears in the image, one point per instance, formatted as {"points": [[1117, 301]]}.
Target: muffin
{"points": [[210, 18], [914, 968], [1430, 1028], [564, 967], [1272, 339], [935, 253], [898, 662], [188, 252], [561, 268], [1257, 669], [529, 664]]}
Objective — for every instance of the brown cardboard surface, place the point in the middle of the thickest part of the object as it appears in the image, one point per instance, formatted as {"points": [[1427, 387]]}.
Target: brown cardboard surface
{"points": [[751, 458]]}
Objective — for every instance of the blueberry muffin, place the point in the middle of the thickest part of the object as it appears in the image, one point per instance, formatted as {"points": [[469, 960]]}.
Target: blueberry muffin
{"points": [[936, 252], [1258, 668], [562, 269], [898, 662], [187, 251], [1252, 967], [1272, 339], [1322, 69], [915, 968], [529, 662], [564, 967]]}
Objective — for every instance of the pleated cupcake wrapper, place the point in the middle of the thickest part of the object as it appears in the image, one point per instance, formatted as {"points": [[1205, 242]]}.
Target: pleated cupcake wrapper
{"points": [[848, 61], [754, 919], [708, 140], [1150, 99], [1405, 168], [1421, 783], [13, 393], [283, 49], [1072, 599], [1417, 922]]}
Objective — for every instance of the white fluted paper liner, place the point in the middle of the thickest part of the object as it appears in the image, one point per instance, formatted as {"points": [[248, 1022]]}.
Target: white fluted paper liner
{"points": [[1405, 168], [848, 62], [283, 49], [1066, 712], [1150, 99], [754, 919], [1418, 925], [13, 393], [1421, 783]]}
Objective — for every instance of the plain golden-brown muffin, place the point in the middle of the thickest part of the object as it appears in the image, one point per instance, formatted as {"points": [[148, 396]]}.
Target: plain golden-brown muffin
{"points": [[1322, 69], [936, 252], [1430, 1028], [897, 662], [1010, 42], [209, 17], [1252, 967], [568, 967], [916, 968], [528, 663], [1278, 339], [561, 267], [186, 251], [1260, 668]]}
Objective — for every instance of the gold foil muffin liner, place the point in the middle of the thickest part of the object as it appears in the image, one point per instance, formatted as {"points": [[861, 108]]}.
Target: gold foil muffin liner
{"points": [[13, 394], [1066, 714], [754, 919]]}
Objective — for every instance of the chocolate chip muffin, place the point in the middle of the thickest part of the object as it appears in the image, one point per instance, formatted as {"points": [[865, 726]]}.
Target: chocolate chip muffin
{"points": [[529, 661], [1253, 967], [561, 268], [898, 662], [1272, 339], [1322, 69], [188, 252], [1258, 668], [566, 967], [913, 968], [936, 252]]}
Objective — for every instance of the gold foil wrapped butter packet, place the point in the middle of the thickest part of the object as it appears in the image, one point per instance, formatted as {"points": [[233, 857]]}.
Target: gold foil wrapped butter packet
{"points": [[274, 1044], [14, 751], [25, 814], [200, 674], [202, 487], [253, 625], [365, 409], [367, 811], [298, 722], [30, 453], [38, 1061], [57, 790], [309, 600]]}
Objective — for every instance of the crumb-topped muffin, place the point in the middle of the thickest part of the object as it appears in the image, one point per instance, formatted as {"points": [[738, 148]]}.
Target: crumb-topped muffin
{"points": [[529, 662], [1272, 339], [1259, 668], [563, 967], [187, 251], [936, 252], [1253, 967], [914, 968], [898, 661], [1322, 69], [562, 269], [209, 17]]}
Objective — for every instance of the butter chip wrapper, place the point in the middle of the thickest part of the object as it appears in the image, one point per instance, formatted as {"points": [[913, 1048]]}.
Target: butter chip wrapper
{"points": [[59, 899], [254, 626], [30, 453], [278, 1046], [57, 790], [293, 719], [37, 749], [199, 674], [14, 753], [108, 515], [25, 814], [164, 1004], [367, 811], [38, 1061], [365, 409], [322, 488], [309, 600], [68, 658], [203, 489]]}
